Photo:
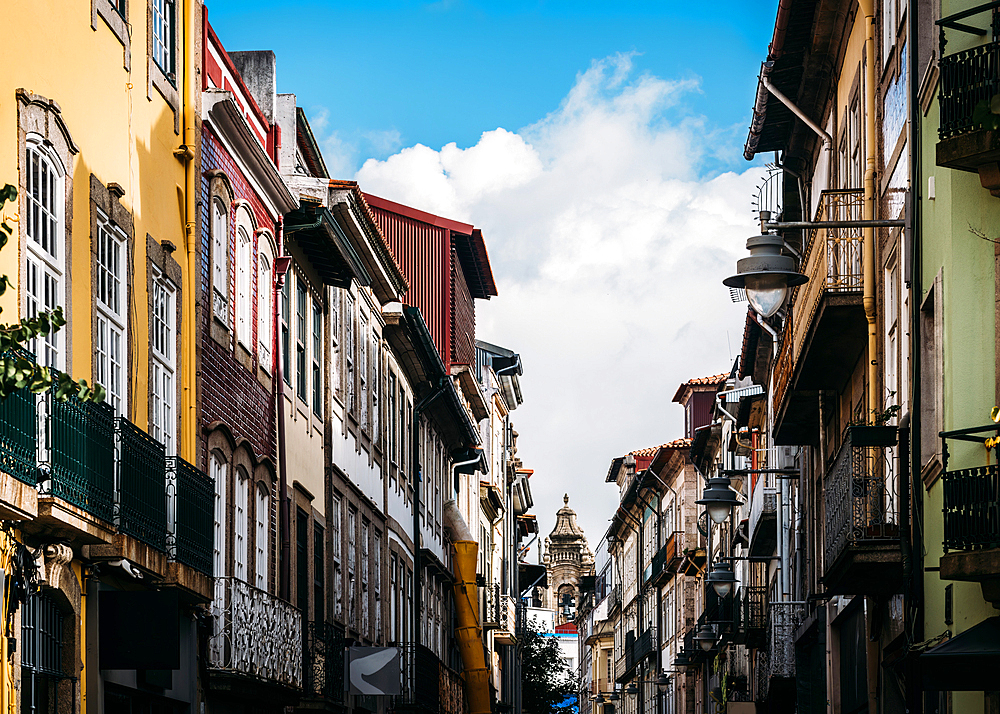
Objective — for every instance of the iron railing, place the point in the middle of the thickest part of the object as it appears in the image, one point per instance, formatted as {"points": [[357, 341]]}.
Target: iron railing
{"points": [[255, 634], [491, 606], [428, 683], [190, 515], [860, 499], [80, 466], [967, 78], [323, 660], [19, 436], [785, 617], [141, 493], [763, 504], [972, 508]]}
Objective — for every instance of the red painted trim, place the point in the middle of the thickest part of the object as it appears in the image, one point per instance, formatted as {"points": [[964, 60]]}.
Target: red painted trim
{"points": [[239, 80], [204, 48], [417, 215]]}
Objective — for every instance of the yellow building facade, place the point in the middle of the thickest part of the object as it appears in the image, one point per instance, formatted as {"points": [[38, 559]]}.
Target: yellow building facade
{"points": [[101, 506]]}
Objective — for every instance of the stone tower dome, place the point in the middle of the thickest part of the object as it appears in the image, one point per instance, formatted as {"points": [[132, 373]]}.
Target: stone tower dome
{"points": [[567, 559]]}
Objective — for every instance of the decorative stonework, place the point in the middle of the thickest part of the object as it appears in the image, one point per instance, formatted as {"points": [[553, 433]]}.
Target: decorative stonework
{"points": [[567, 558]]}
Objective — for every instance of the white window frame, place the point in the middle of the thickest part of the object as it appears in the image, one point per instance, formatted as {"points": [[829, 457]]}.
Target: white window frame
{"points": [[338, 579], [217, 470], [243, 299], [45, 244], [262, 513], [163, 35], [350, 330], [240, 540], [363, 376], [316, 336], [220, 260], [265, 297], [163, 350], [111, 346]]}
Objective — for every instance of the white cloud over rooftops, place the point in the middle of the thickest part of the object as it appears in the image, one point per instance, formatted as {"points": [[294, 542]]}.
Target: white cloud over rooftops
{"points": [[608, 244]]}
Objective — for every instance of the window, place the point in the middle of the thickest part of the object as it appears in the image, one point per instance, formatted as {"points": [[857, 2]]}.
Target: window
{"points": [[338, 584], [163, 35], [217, 470], [363, 370], [110, 341], [243, 297], [240, 539], [42, 653], [162, 392], [302, 561], [285, 337], [393, 600], [365, 563], [319, 574], [334, 373], [350, 326], [300, 340], [352, 553], [377, 578], [263, 516], [264, 306], [317, 353], [220, 260], [393, 438], [44, 198], [376, 383]]}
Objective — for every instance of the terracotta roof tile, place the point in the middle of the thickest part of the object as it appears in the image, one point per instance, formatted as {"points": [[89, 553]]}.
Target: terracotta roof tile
{"points": [[648, 452]]}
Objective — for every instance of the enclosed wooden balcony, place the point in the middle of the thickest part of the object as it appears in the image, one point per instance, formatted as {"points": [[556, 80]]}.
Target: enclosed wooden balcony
{"points": [[826, 331], [862, 553]]}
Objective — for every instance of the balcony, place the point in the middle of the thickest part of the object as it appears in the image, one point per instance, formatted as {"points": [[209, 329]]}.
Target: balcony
{"points": [[828, 332], [323, 661], [784, 617], [634, 651], [428, 684], [190, 515], [862, 555], [141, 494], [18, 448], [969, 80], [490, 615], [506, 632], [255, 635], [763, 522]]}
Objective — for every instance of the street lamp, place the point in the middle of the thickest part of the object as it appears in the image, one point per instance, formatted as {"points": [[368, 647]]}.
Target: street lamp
{"points": [[662, 682], [719, 499], [705, 637], [766, 274], [721, 578]]}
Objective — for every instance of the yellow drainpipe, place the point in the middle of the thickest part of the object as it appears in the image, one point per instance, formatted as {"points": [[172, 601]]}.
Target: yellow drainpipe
{"points": [[186, 153], [468, 633], [868, 247]]}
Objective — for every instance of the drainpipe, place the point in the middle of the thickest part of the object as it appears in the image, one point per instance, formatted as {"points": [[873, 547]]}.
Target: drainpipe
{"points": [[868, 247], [186, 153], [766, 81], [468, 632], [281, 264], [418, 409]]}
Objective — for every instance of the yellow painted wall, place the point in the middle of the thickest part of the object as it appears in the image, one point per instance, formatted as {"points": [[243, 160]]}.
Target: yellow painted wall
{"points": [[125, 135]]}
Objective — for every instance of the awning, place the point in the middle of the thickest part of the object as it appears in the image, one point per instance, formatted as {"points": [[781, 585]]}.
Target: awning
{"points": [[966, 662], [313, 228]]}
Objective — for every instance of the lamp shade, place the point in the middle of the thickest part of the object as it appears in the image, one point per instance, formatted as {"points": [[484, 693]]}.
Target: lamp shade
{"points": [[662, 681], [705, 637], [766, 274], [719, 499], [722, 578]]}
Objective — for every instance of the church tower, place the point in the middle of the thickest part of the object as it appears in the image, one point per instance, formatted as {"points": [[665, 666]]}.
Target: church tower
{"points": [[567, 560]]}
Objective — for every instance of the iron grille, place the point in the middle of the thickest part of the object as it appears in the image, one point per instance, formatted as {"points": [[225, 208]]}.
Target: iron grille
{"points": [[141, 503], [81, 442], [967, 78], [255, 634], [190, 516], [42, 635], [491, 606], [860, 499], [323, 660], [19, 436], [428, 684], [785, 617], [972, 508]]}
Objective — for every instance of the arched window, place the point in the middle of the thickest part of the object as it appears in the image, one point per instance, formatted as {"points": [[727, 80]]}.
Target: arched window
{"points": [[217, 470], [265, 295], [244, 288], [45, 243], [263, 517], [240, 540], [220, 261]]}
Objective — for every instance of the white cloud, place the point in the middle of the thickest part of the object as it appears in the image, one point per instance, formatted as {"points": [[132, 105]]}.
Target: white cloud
{"points": [[609, 246]]}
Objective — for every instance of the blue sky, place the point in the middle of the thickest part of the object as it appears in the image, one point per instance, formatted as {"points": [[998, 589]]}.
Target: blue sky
{"points": [[598, 145], [390, 74]]}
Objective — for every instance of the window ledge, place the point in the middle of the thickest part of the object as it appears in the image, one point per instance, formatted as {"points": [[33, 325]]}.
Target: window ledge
{"points": [[166, 88], [116, 23]]}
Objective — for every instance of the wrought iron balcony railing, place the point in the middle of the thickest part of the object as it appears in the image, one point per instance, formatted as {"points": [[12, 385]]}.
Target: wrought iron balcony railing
{"points": [[255, 634], [79, 463], [491, 606], [644, 645], [784, 618], [141, 490], [967, 78], [190, 515], [19, 436], [860, 499], [972, 508], [323, 661], [428, 683]]}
